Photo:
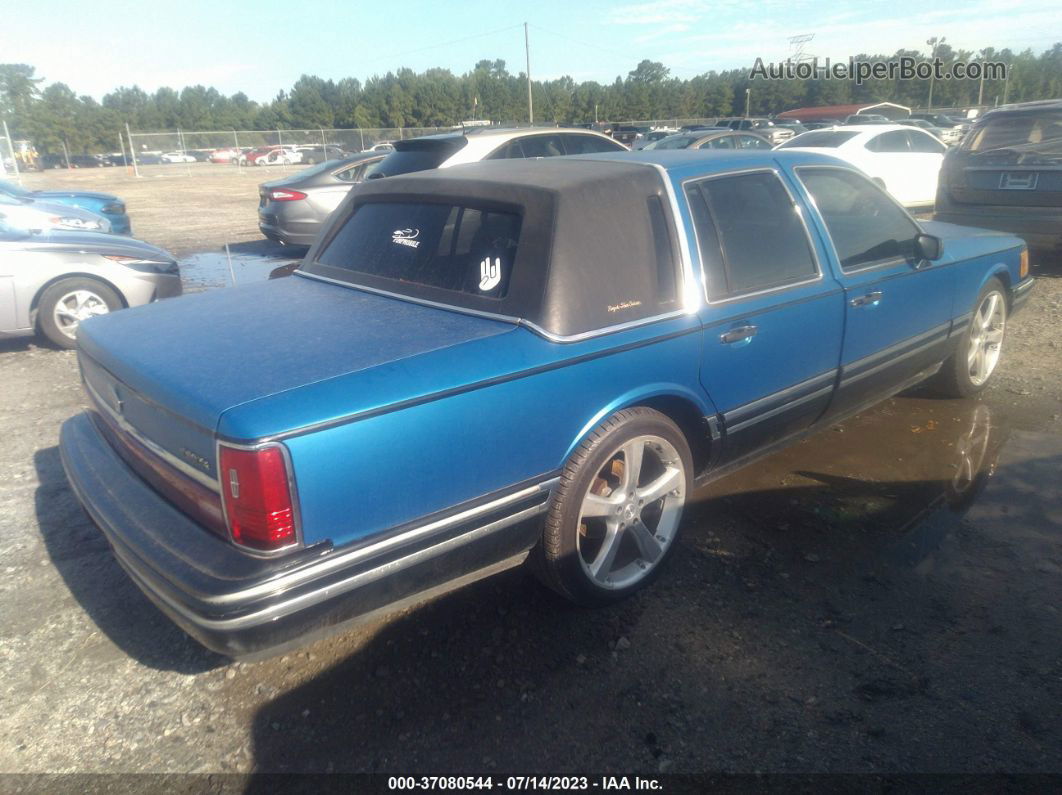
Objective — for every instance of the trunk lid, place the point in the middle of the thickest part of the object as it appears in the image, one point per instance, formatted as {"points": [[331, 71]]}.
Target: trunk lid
{"points": [[173, 368]]}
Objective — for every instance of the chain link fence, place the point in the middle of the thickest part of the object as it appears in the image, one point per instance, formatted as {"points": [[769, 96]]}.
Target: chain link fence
{"points": [[178, 152], [284, 149]]}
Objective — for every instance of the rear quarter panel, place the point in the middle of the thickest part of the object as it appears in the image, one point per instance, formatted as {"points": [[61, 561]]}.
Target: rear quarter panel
{"points": [[363, 477]]}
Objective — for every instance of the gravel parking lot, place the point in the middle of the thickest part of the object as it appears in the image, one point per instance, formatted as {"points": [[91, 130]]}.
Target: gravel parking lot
{"points": [[883, 597]]}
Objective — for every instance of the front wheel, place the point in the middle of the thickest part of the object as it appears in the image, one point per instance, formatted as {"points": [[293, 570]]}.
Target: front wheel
{"points": [[68, 302], [614, 516], [970, 367]]}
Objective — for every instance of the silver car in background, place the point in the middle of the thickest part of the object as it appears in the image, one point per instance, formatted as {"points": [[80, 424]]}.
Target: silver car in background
{"points": [[34, 215], [50, 283], [292, 209]]}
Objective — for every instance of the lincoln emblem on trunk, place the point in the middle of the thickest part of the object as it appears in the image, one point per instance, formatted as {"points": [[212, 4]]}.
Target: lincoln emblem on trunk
{"points": [[234, 484]]}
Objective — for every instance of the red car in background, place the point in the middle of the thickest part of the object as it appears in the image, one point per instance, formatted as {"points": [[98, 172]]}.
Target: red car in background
{"points": [[229, 155]]}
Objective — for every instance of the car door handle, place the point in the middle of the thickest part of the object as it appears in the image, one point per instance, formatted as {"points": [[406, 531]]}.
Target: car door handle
{"points": [[865, 300], [738, 334]]}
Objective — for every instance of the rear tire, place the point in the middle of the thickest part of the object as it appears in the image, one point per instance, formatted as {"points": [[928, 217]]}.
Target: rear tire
{"points": [[613, 518], [971, 366], [65, 304]]}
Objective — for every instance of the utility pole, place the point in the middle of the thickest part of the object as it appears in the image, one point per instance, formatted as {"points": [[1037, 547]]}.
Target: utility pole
{"points": [[981, 84], [748, 97], [934, 43], [14, 155], [527, 52], [132, 151]]}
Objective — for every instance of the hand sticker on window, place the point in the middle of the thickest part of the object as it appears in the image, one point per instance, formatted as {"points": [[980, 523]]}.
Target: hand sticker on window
{"points": [[489, 274]]}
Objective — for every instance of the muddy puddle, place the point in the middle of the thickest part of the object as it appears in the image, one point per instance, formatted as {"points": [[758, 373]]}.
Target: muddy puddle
{"points": [[242, 263]]}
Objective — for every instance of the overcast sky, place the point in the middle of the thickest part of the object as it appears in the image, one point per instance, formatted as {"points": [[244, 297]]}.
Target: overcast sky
{"points": [[262, 46]]}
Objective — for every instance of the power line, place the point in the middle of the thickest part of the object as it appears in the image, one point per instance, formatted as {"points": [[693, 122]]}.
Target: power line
{"points": [[616, 53]]}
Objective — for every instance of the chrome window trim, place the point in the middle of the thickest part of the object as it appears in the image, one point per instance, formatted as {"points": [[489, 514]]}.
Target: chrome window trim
{"points": [[883, 263], [331, 563], [818, 277], [182, 467], [296, 513], [516, 321], [691, 295]]}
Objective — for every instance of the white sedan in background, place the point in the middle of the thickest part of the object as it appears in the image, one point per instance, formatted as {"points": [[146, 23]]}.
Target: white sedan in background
{"points": [[904, 160], [176, 157]]}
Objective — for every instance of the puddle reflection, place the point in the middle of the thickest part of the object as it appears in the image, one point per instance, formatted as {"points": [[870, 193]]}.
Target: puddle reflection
{"points": [[882, 470], [244, 262]]}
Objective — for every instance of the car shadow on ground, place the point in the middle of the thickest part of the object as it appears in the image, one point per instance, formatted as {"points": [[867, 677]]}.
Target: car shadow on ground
{"points": [[825, 621], [84, 560]]}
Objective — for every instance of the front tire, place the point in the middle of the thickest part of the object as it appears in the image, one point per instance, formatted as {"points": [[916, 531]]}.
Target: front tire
{"points": [[969, 369], [68, 302], [614, 516]]}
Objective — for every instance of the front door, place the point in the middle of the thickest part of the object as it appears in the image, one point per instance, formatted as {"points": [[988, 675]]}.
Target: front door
{"points": [[898, 309], [774, 319]]}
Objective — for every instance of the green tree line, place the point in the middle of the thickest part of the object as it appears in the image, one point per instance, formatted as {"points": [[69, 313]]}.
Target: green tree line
{"points": [[52, 114]]}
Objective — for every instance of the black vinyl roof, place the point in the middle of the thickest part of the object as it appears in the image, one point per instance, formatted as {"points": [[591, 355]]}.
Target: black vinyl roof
{"points": [[593, 235]]}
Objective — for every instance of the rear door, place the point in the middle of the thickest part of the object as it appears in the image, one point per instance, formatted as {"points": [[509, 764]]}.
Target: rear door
{"points": [[774, 319], [927, 154], [897, 310]]}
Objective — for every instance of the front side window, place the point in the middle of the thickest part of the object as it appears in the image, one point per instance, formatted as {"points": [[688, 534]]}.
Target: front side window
{"points": [[890, 142], [542, 146], [925, 143], [722, 142], [750, 233], [444, 246], [866, 227]]}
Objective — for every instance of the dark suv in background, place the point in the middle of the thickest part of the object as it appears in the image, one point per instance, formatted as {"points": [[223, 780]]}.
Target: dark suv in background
{"points": [[1007, 175]]}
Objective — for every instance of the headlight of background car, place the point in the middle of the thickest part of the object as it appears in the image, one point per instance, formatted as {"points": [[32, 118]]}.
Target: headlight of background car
{"points": [[114, 208], [145, 265], [75, 223]]}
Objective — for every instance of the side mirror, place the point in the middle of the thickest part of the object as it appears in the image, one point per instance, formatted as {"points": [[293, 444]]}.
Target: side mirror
{"points": [[928, 247]]}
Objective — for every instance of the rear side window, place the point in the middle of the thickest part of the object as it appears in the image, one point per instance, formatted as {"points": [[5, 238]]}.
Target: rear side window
{"points": [[445, 246], [754, 225], [866, 227], [722, 142], [588, 144], [418, 155]]}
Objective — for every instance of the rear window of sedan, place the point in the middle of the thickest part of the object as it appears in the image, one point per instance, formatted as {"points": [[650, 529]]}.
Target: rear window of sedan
{"points": [[440, 245], [1039, 132], [826, 139]]}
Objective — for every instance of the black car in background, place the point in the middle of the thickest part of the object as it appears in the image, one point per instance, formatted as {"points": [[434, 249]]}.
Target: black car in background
{"points": [[1007, 175], [75, 161]]}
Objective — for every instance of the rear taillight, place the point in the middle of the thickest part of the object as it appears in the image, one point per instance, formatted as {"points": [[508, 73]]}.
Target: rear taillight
{"points": [[257, 493], [286, 195]]}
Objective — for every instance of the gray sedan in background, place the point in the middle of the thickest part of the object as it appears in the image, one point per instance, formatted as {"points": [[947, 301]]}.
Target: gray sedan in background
{"points": [[50, 283], [291, 210]]}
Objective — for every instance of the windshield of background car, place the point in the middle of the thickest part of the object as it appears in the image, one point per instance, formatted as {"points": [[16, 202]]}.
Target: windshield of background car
{"points": [[1039, 133], [418, 155], [826, 139], [441, 245]]}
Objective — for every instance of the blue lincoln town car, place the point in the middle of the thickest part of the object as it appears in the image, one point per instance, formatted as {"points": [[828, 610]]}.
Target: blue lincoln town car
{"points": [[509, 359]]}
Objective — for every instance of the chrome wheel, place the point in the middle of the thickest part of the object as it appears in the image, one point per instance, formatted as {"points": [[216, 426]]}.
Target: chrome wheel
{"points": [[630, 513], [986, 337], [970, 450], [75, 307]]}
